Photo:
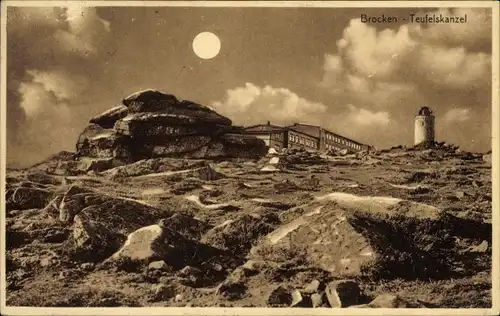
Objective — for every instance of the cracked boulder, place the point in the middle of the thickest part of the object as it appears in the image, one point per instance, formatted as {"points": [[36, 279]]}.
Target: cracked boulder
{"points": [[350, 236]]}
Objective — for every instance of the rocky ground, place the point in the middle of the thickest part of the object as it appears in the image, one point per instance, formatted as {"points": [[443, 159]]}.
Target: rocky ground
{"points": [[394, 228]]}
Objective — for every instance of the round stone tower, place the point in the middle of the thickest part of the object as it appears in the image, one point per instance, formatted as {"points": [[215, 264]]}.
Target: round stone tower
{"points": [[424, 127]]}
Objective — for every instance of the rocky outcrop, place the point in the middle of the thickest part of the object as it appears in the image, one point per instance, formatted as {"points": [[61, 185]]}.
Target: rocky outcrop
{"points": [[98, 142], [152, 124], [26, 197], [349, 236], [108, 118]]}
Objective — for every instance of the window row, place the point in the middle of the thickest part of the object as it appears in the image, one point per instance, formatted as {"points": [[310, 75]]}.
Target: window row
{"points": [[343, 141], [328, 147], [277, 136], [302, 141]]}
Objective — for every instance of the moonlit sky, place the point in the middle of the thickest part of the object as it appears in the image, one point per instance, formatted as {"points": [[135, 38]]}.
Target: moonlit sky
{"points": [[285, 65]]}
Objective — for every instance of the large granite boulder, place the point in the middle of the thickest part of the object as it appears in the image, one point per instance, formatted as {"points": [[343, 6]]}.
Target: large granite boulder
{"points": [[108, 118], [102, 222], [237, 146], [149, 100], [153, 124], [99, 142], [205, 147], [180, 146], [139, 125], [350, 236]]}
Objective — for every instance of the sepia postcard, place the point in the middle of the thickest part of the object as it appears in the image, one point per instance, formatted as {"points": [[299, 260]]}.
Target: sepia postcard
{"points": [[249, 158]]}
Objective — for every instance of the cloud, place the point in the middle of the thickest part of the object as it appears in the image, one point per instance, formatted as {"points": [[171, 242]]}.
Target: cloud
{"points": [[475, 35], [457, 115], [252, 104], [52, 56], [444, 66], [367, 118]]}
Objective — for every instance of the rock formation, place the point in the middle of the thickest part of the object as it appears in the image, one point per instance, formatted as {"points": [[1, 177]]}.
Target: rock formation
{"points": [[152, 124]]}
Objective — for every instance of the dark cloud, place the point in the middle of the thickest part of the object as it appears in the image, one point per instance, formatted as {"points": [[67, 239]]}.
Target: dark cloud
{"points": [[52, 62]]}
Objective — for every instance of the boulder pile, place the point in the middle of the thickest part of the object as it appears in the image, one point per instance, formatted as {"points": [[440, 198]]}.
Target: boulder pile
{"points": [[151, 124]]}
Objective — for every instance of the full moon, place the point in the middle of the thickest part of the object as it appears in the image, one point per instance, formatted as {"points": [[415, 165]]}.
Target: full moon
{"points": [[206, 45]]}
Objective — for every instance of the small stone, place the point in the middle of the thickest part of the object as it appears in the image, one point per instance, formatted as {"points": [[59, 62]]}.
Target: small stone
{"points": [[163, 291], [231, 290], [189, 271], [387, 300], [343, 293], [313, 287], [280, 297], [317, 299], [460, 194], [45, 262], [64, 275], [179, 298], [254, 264], [54, 237], [87, 266], [217, 267], [158, 265], [299, 301], [482, 247]]}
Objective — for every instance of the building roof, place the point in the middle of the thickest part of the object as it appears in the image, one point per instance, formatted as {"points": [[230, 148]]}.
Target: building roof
{"points": [[264, 128], [310, 130], [306, 129]]}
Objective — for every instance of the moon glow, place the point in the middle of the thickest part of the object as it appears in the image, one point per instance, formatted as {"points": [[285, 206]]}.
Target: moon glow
{"points": [[206, 45]]}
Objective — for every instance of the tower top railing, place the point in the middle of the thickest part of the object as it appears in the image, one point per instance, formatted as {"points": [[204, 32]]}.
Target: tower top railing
{"points": [[425, 111]]}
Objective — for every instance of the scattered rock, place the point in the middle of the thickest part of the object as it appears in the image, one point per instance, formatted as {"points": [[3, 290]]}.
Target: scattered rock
{"points": [[93, 239], [460, 194], [143, 244], [24, 198], [314, 287], [280, 296], [298, 300], [386, 301], [231, 291], [482, 247], [158, 265], [189, 271], [317, 300], [87, 266], [343, 293], [239, 234], [164, 291], [42, 178], [179, 298]]}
